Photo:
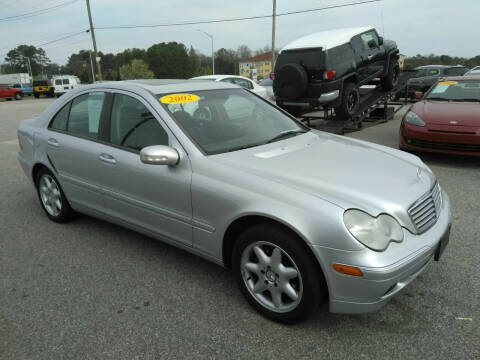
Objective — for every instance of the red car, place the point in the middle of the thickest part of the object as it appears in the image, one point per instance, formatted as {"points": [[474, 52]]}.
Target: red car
{"points": [[446, 120], [10, 93]]}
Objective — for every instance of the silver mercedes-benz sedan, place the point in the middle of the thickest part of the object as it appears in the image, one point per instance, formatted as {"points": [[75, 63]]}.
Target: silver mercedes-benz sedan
{"points": [[300, 216]]}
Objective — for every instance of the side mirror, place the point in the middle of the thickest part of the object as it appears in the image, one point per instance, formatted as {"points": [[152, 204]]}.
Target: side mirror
{"points": [[418, 95], [380, 40], [159, 155], [372, 44]]}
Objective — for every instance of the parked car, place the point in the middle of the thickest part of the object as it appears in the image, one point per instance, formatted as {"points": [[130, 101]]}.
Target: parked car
{"points": [[261, 194], [26, 88], [9, 93], [327, 69], [64, 83], [426, 76], [473, 71], [447, 120], [242, 81], [267, 83], [43, 87]]}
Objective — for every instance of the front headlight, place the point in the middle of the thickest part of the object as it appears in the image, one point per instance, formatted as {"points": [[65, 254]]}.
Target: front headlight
{"points": [[373, 232], [413, 119]]}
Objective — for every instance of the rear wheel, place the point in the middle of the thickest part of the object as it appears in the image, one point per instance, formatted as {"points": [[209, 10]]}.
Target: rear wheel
{"points": [[350, 100], [36, 95], [52, 198], [276, 274], [18, 96]]}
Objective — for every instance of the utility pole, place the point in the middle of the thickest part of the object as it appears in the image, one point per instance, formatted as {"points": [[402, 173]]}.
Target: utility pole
{"points": [[94, 42], [91, 65], [273, 31], [213, 53]]}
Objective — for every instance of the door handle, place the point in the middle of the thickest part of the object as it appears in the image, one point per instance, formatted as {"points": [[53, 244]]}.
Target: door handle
{"points": [[370, 57], [53, 142], [107, 158]]}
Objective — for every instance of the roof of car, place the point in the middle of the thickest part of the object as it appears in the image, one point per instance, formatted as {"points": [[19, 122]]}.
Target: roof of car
{"points": [[326, 39], [462, 78], [162, 86], [437, 66], [217, 77]]}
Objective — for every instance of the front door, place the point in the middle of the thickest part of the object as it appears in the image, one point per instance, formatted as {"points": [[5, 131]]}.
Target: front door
{"points": [[375, 53], [154, 197]]}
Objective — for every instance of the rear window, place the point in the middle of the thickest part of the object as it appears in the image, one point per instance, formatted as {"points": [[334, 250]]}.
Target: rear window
{"points": [[40, 83], [456, 71], [339, 55], [310, 58]]}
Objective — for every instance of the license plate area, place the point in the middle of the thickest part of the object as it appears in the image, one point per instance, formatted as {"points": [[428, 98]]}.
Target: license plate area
{"points": [[442, 244]]}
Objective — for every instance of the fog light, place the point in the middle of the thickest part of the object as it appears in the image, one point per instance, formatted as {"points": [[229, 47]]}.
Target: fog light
{"points": [[348, 270]]}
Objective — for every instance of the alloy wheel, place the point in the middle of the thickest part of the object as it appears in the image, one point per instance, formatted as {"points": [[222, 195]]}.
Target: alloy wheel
{"points": [[50, 195], [271, 276]]}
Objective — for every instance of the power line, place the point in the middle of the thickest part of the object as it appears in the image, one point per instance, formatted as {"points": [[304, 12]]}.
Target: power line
{"points": [[37, 12], [235, 19]]}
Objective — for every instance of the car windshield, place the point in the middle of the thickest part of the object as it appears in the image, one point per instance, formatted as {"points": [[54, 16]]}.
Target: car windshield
{"points": [[465, 90], [226, 120]]}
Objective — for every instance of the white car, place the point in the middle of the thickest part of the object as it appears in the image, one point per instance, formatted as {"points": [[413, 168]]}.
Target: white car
{"points": [[242, 81], [64, 83]]}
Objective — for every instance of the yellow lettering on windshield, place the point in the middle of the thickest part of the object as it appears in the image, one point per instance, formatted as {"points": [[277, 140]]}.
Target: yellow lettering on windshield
{"points": [[448, 83], [179, 98]]}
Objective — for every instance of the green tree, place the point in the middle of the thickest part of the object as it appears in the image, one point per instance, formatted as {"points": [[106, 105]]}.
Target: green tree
{"points": [[169, 60], [226, 61], [17, 59], [137, 69], [79, 65]]}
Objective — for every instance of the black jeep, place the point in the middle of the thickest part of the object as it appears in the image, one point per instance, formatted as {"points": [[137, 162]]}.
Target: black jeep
{"points": [[327, 68]]}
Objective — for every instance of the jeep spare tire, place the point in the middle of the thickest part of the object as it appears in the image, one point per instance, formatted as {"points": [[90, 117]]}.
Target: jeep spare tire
{"points": [[292, 81]]}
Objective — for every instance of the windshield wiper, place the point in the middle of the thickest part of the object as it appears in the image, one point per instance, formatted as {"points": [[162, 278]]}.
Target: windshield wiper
{"points": [[473, 100], [285, 134], [241, 147]]}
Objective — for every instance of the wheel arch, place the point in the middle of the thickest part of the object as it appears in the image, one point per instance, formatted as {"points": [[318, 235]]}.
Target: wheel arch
{"points": [[37, 167], [240, 224]]}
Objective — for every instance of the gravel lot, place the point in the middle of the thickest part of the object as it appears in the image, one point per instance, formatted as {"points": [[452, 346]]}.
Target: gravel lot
{"points": [[89, 289]]}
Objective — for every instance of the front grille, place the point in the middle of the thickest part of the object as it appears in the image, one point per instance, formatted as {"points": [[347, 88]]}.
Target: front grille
{"points": [[424, 212], [444, 145]]}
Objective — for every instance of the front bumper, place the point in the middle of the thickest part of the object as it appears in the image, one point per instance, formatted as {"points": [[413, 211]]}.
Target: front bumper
{"points": [[461, 140], [384, 273]]}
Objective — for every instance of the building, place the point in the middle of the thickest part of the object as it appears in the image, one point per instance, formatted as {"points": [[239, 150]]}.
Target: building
{"points": [[262, 63]]}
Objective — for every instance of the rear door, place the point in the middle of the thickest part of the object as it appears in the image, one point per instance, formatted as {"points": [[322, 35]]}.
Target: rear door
{"points": [[153, 197], [73, 144]]}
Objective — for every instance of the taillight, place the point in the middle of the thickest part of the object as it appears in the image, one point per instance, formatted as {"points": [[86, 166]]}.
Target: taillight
{"points": [[329, 74], [272, 76]]}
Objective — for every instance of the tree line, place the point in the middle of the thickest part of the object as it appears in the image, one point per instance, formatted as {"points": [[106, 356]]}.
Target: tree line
{"points": [[165, 60]]}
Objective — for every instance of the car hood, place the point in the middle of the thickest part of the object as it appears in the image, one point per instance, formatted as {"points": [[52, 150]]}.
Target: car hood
{"points": [[443, 113], [347, 172]]}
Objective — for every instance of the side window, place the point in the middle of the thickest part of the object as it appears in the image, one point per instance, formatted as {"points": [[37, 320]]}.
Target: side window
{"points": [[433, 72], [243, 83], [58, 82], [370, 39], [85, 115], [132, 125], [59, 122]]}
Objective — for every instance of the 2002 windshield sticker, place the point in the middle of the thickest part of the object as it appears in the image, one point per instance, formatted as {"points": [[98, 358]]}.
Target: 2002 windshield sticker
{"points": [[179, 98]]}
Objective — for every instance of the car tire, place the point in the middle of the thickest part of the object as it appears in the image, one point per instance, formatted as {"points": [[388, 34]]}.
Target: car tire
{"points": [[391, 79], [288, 293], [36, 95], [18, 96], [52, 197], [350, 101], [291, 81]]}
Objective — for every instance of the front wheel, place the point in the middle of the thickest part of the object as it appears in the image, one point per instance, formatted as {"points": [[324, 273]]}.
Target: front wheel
{"points": [[36, 95], [52, 198], [391, 79], [277, 274], [18, 96]]}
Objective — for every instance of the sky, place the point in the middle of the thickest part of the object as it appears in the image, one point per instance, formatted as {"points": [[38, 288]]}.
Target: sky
{"points": [[418, 26]]}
